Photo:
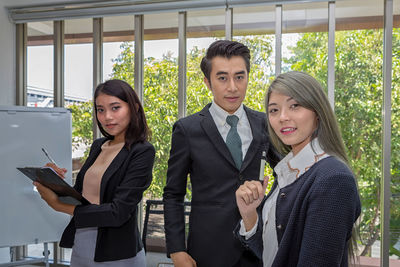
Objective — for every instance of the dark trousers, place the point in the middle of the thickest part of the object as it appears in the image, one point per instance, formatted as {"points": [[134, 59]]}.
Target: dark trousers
{"points": [[248, 260]]}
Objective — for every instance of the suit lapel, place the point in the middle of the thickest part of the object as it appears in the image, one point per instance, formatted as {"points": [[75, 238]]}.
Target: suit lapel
{"points": [[209, 127], [257, 132], [114, 166]]}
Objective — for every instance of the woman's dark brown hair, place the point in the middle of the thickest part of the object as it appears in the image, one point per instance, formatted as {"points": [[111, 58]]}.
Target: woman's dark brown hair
{"points": [[137, 130]]}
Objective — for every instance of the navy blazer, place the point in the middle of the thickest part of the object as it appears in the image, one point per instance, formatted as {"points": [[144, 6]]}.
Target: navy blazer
{"points": [[121, 189], [314, 217], [198, 150]]}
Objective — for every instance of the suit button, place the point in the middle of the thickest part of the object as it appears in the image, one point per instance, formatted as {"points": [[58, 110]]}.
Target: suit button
{"points": [[283, 195], [241, 178], [279, 226]]}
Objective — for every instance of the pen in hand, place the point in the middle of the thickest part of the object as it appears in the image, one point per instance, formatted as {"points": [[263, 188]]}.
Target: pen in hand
{"points": [[262, 166], [60, 171], [48, 156]]}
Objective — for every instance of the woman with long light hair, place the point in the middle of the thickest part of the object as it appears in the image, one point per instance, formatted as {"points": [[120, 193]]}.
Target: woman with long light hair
{"points": [[307, 218]]}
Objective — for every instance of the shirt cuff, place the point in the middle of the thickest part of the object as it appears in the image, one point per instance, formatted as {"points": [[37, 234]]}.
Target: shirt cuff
{"points": [[250, 233]]}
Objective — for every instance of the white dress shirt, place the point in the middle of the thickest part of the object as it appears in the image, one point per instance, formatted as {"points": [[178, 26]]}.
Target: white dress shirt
{"points": [[244, 130], [287, 170]]}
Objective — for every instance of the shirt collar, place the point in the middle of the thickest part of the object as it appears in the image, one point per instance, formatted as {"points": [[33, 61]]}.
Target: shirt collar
{"points": [[303, 161], [219, 115]]}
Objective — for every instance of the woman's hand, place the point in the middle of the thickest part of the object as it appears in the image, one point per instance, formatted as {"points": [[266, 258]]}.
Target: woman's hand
{"points": [[182, 259], [248, 197], [47, 195], [52, 199], [60, 171]]}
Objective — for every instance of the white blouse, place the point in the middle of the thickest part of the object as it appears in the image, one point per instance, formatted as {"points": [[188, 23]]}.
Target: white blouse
{"points": [[287, 171]]}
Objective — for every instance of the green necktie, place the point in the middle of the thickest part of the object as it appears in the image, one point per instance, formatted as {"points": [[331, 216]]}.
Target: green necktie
{"points": [[233, 141]]}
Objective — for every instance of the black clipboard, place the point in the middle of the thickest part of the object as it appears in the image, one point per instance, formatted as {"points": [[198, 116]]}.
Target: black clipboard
{"points": [[49, 178]]}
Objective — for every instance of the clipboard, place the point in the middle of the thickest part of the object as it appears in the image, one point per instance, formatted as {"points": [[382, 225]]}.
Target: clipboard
{"points": [[49, 178]]}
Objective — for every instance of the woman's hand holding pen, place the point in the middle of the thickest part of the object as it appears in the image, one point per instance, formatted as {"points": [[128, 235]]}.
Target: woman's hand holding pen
{"points": [[60, 171], [248, 197]]}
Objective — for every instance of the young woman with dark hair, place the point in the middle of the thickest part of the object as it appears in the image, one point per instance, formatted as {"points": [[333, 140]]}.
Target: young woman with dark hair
{"points": [[113, 179]]}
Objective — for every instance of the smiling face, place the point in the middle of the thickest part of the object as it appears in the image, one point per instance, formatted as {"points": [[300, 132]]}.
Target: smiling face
{"points": [[292, 123], [113, 115], [228, 82]]}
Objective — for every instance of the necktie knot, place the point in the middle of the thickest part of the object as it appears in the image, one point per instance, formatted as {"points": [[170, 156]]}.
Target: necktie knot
{"points": [[232, 120]]}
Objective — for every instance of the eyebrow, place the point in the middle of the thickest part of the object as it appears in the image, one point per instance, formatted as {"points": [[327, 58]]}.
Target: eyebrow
{"points": [[287, 100], [221, 73], [225, 73], [113, 103], [240, 72]]}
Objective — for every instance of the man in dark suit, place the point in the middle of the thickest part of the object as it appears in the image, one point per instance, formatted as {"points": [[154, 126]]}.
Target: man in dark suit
{"points": [[219, 152]]}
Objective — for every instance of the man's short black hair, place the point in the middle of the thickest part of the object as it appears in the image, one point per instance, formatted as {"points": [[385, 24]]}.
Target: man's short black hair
{"points": [[224, 48]]}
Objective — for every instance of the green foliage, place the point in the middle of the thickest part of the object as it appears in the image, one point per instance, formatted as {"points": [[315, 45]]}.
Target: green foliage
{"points": [[358, 106], [82, 133]]}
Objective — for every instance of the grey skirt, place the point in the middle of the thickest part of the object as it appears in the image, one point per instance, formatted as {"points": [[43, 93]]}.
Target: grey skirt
{"points": [[84, 247]]}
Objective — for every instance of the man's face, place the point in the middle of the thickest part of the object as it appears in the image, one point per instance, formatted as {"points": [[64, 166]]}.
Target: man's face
{"points": [[228, 82]]}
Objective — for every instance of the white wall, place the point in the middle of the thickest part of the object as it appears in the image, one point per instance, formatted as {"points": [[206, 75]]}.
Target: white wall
{"points": [[7, 48]]}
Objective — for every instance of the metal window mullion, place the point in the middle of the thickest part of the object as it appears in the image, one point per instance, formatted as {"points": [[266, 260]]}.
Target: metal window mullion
{"points": [[58, 63], [278, 39], [97, 64], [139, 81], [97, 51], [182, 65], [331, 53], [387, 94], [228, 23], [139, 55], [21, 64]]}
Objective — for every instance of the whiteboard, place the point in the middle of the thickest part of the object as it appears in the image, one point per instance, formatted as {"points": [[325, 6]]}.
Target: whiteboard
{"points": [[24, 217]]}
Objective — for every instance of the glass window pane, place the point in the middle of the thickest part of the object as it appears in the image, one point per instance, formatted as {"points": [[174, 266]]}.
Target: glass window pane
{"points": [[78, 60], [303, 25], [395, 149], [255, 27], [203, 28], [160, 89], [118, 34], [40, 73], [78, 85], [358, 106]]}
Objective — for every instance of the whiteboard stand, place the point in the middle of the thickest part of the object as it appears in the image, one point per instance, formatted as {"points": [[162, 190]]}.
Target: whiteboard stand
{"points": [[15, 262]]}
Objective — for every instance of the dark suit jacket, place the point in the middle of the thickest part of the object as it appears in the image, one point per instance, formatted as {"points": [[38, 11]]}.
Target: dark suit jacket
{"points": [[314, 218], [122, 186], [199, 150]]}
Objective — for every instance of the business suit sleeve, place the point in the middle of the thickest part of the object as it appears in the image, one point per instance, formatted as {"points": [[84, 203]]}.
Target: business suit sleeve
{"points": [[255, 242], [126, 195], [175, 190], [333, 207]]}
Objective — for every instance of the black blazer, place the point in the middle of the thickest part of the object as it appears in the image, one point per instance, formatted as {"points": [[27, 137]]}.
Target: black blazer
{"points": [[121, 189], [199, 150]]}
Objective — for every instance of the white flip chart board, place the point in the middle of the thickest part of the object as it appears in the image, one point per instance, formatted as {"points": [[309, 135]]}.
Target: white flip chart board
{"points": [[24, 217]]}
